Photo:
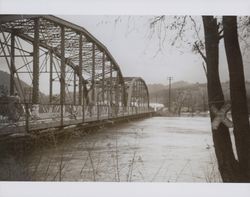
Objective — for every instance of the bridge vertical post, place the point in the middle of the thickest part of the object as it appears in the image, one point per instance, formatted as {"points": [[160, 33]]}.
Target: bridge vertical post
{"points": [[103, 75], [140, 98], [141, 107], [50, 77], [111, 88], [74, 88], [135, 92], [133, 98], [116, 95], [103, 84], [147, 98], [93, 73], [12, 63], [137, 97], [81, 97], [35, 92], [62, 78], [80, 71], [93, 79], [144, 100]]}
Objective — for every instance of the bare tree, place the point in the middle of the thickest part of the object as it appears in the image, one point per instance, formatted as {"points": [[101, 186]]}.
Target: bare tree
{"points": [[223, 146], [231, 169], [238, 95]]}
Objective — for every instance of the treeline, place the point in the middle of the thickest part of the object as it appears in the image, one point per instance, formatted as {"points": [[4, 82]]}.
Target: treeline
{"points": [[186, 97]]}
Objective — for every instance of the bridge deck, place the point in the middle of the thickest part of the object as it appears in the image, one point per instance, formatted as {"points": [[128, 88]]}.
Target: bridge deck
{"points": [[44, 122]]}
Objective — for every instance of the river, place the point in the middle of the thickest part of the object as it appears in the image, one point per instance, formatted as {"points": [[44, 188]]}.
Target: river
{"points": [[157, 149]]}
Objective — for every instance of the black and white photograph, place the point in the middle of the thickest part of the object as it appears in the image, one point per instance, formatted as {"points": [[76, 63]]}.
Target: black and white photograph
{"points": [[131, 98]]}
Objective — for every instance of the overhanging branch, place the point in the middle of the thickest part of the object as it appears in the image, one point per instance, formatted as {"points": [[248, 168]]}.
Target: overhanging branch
{"points": [[200, 52]]}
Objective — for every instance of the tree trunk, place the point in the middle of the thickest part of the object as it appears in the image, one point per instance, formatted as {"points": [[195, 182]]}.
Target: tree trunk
{"points": [[228, 166], [238, 95]]}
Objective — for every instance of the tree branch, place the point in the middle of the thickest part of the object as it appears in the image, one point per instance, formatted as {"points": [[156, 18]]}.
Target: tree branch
{"points": [[195, 27], [180, 31], [200, 52], [155, 20]]}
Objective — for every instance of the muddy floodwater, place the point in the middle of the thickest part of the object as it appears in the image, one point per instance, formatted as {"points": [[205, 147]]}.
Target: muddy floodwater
{"points": [[157, 149]]}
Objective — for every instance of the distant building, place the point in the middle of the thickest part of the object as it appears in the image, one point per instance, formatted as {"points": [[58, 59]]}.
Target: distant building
{"points": [[156, 106]]}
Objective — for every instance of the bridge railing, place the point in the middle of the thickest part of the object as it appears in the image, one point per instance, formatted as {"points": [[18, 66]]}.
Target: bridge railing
{"points": [[32, 116]]}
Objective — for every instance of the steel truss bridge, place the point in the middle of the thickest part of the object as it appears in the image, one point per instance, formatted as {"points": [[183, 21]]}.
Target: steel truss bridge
{"points": [[83, 80]]}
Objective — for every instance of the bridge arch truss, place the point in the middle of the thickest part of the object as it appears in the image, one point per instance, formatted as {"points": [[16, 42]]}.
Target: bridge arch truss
{"points": [[78, 69]]}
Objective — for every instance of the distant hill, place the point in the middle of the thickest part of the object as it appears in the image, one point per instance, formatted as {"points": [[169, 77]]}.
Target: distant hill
{"points": [[191, 94], [5, 82], [159, 87], [180, 84], [152, 88]]}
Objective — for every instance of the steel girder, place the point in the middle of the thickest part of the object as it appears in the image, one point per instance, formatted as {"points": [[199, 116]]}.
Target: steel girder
{"points": [[71, 56], [74, 46], [137, 92]]}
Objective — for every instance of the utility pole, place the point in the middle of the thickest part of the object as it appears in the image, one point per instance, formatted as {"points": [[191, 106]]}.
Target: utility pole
{"points": [[169, 93]]}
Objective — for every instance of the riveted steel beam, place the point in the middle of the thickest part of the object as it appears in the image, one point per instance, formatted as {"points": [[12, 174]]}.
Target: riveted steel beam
{"points": [[35, 81]]}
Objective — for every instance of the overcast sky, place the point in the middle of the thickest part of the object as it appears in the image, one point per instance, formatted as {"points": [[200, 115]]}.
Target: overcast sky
{"points": [[131, 42], [127, 38]]}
